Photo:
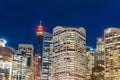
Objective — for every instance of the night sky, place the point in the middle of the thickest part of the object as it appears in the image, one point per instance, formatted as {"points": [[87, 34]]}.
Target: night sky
{"points": [[19, 18]]}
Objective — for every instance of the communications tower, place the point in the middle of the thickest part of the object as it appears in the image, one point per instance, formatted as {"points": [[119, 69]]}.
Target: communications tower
{"points": [[39, 34]]}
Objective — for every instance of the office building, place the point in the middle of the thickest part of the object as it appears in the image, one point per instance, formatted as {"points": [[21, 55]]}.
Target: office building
{"points": [[69, 56], [28, 49], [112, 53], [22, 62], [19, 70], [90, 59], [6, 61], [99, 53], [46, 57]]}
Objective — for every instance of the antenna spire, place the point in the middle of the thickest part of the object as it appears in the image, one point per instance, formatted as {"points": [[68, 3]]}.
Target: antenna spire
{"points": [[40, 23]]}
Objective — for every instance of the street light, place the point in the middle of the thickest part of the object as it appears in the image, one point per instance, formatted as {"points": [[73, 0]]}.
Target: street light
{"points": [[39, 34]]}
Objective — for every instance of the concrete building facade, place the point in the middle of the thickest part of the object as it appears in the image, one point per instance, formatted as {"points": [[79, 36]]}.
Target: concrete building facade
{"points": [[99, 53], [69, 57], [6, 62], [22, 62], [112, 53], [90, 59]]}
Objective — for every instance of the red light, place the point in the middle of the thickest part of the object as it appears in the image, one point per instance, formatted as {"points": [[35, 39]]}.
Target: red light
{"points": [[40, 29], [37, 78]]}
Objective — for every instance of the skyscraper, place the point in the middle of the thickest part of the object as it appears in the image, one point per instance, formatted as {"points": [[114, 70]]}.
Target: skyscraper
{"points": [[19, 70], [99, 53], [28, 49], [112, 53], [26, 55], [69, 57], [90, 59], [99, 59], [46, 57]]}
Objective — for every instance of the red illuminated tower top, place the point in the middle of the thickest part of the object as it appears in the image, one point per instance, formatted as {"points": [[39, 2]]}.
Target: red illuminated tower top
{"points": [[39, 31]]}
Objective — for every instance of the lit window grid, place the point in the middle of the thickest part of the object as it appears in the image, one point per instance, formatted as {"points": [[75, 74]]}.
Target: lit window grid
{"points": [[46, 58], [112, 60], [55, 64]]}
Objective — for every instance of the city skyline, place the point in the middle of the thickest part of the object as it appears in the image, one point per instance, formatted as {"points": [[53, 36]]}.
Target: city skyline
{"points": [[18, 19]]}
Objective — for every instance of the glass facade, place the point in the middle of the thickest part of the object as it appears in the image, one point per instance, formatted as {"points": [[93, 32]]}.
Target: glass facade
{"points": [[46, 58]]}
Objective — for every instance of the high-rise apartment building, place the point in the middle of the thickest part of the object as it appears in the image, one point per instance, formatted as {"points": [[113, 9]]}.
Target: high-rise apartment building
{"points": [[99, 60], [26, 55], [99, 53], [28, 49], [46, 57], [112, 53], [90, 59], [69, 57], [19, 70]]}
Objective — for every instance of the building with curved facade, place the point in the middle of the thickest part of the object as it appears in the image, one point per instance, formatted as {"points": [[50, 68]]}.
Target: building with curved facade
{"points": [[6, 58], [112, 53], [69, 57]]}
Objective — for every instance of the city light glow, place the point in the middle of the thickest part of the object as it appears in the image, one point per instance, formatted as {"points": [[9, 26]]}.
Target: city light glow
{"points": [[2, 42]]}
